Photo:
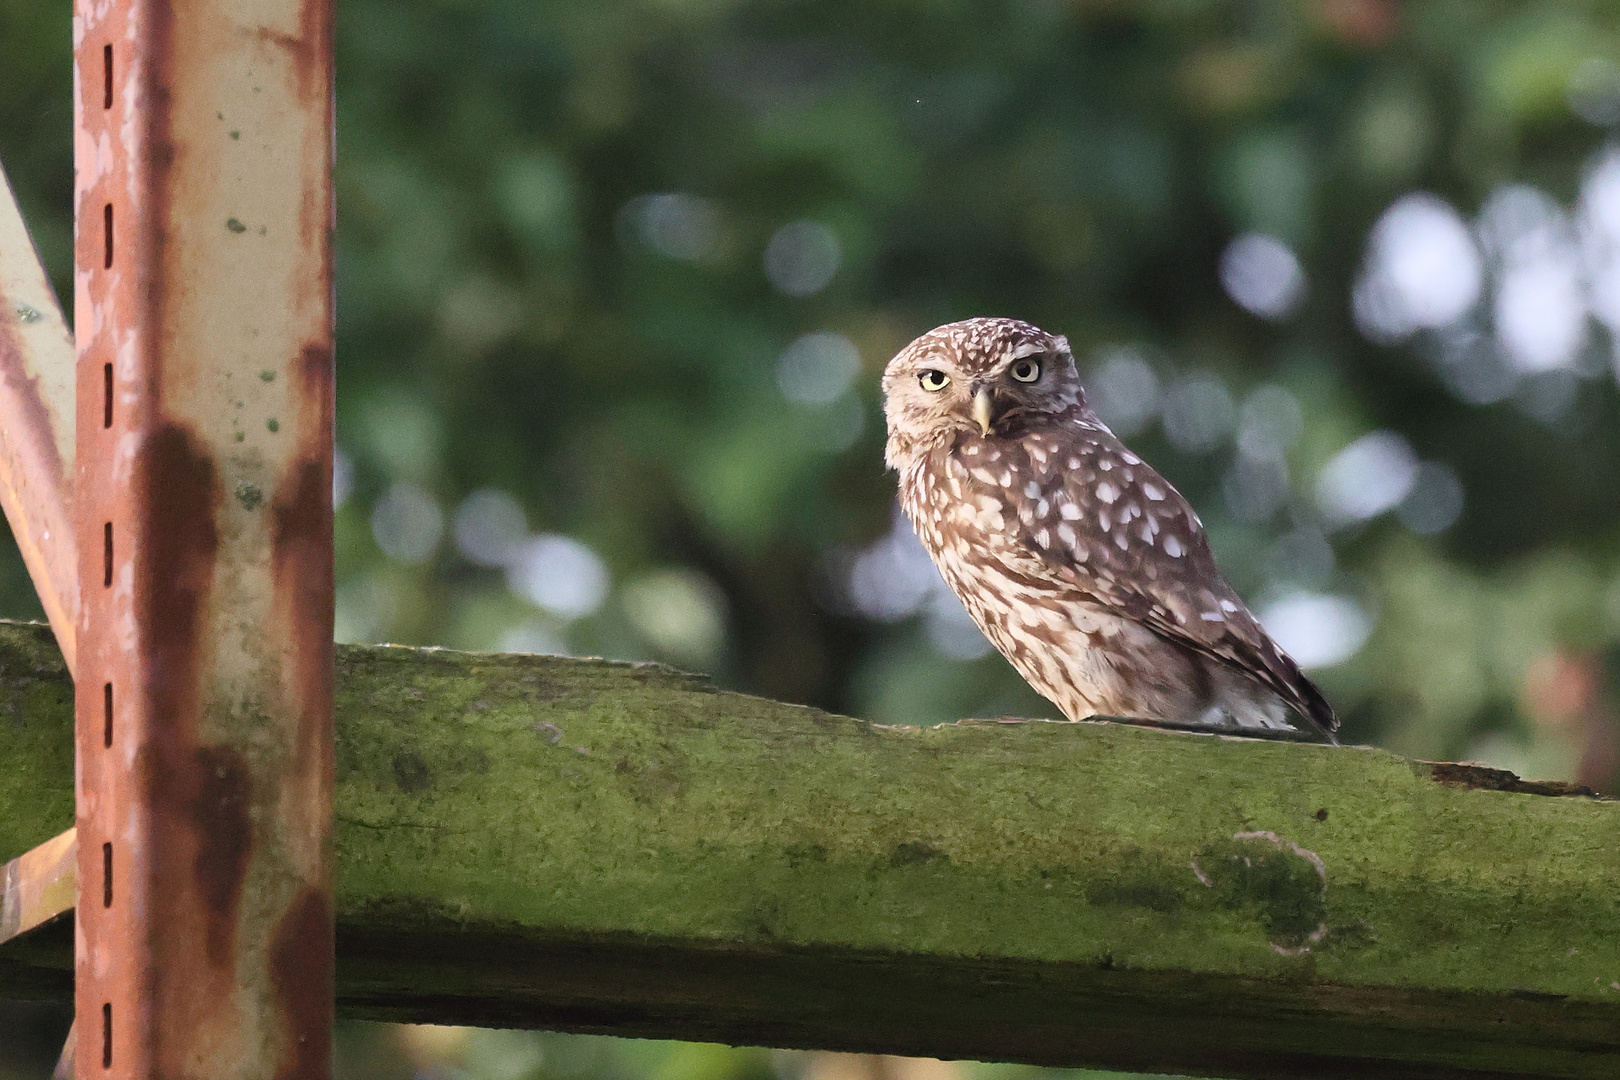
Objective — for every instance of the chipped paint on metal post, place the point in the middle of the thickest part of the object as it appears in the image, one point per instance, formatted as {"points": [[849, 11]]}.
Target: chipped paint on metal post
{"points": [[203, 288]]}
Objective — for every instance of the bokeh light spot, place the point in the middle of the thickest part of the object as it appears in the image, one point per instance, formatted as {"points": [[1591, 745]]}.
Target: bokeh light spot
{"points": [[1123, 389], [489, 527], [407, 524], [559, 574], [1435, 501], [1263, 275], [681, 613], [1317, 629], [674, 224], [1366, 478], [818, 369], [1422, 269], [802, 258], [1198, 414]]}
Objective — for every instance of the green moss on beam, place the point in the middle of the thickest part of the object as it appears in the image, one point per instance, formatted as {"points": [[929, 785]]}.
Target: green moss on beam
{"points": [[531, 841]]}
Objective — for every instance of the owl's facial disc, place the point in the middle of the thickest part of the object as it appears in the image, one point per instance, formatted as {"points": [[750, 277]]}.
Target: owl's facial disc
{"points": [[990, 377]]}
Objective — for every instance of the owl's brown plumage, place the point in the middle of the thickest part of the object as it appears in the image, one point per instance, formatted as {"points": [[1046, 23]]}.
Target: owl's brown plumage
{"points": [[1079, 562]]}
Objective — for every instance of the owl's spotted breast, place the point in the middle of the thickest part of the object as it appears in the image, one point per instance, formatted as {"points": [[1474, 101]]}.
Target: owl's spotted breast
{"points": [[1080, 563]]}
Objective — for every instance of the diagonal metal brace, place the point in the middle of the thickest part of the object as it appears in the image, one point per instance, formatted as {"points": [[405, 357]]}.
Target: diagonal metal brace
{"points": [[37, 371]]}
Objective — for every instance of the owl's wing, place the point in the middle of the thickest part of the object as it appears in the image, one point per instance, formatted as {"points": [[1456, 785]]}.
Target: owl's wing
{"points": [[1127, 540]]}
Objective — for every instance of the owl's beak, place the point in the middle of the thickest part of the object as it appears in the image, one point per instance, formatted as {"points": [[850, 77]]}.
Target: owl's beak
{"points": [[981, 409]]}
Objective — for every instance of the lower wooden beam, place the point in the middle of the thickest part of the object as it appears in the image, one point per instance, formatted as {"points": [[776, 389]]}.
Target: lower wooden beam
{"points": [[39, 885], [527, 841]]}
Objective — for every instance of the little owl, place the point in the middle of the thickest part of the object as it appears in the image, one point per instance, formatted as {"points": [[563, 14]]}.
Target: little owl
{"points": [[1079, 562]]}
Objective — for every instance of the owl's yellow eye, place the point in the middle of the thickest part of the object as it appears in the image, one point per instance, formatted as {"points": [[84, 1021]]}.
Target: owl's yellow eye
{"points": [[934, 380], [1026, 370]]}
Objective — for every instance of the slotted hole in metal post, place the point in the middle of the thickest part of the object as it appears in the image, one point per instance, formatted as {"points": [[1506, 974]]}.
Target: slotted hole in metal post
{"points": [[135, 157]]}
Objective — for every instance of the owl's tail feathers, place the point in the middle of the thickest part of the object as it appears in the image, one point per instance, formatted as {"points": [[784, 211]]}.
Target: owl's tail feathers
{"points": [[1320, 713], [1280, 704], [1308, 700], [1298, 692]]}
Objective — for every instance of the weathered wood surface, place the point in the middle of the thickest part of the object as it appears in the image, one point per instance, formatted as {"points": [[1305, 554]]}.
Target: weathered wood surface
{"points": [[39, 885], [525, 841]]}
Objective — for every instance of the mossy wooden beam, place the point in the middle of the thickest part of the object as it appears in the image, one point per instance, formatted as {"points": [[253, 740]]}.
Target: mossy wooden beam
{"points": [[527, 841]]}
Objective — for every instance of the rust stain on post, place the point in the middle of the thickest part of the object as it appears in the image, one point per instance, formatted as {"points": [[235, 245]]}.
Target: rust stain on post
{"points": [[205, 771], [36, 425]]}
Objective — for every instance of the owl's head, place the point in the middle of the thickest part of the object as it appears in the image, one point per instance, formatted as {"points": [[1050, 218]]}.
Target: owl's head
{"points": [[990, 377]]}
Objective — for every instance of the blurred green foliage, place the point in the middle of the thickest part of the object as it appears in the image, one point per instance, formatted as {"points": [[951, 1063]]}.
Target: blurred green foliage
{"points": [[32, 1037], [386, 1052], [556, 281]]}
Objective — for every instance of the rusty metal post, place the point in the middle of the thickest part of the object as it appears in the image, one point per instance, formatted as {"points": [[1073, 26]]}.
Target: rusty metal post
{"points": [[203, 499]]}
